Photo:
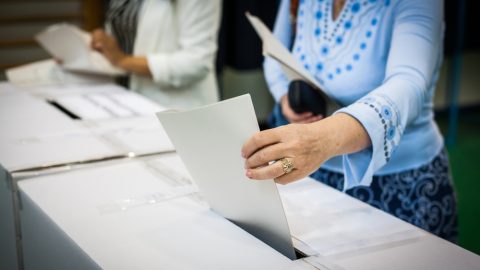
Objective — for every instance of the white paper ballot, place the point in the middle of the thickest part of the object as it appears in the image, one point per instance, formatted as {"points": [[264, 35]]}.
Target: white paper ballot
{"points": [[72, 45], [209, 140], [292, 68], [97, 106]]}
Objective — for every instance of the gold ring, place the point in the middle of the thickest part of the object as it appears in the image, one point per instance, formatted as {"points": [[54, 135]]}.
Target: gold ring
{"points": [[287, 165]]}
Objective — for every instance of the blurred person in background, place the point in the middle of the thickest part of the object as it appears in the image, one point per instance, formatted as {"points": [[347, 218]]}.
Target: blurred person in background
{"points": [[168, 48]]}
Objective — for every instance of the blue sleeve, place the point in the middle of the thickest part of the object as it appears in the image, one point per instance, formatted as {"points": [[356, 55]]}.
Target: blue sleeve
{"points": [[415, 53], [276, 79]]}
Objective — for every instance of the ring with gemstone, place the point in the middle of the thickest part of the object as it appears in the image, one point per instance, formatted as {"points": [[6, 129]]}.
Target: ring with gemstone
{"points": [[287, 165]]}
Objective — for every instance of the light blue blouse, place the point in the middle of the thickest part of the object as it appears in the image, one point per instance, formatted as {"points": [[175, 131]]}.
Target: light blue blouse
{"points": [[380, 59]]}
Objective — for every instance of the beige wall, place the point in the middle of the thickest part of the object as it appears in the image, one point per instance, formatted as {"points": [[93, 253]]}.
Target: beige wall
{"points": [[469, 84], [21, 19]]}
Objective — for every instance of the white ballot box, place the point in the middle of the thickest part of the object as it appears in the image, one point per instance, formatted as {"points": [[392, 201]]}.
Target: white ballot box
{"points": [[37, 137], [97, 207], [147, 214], [330, 222], [38, 133], [340, 232], [35, 133], [121, 119], [428, 253], [132, 216], [8, 253]]}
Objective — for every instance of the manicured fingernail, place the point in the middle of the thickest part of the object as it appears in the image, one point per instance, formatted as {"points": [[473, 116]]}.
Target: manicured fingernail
{"points": [[249, 174]]}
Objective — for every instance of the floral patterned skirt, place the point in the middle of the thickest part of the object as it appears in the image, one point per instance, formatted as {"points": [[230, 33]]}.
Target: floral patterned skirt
{"points": [[424, 197]]}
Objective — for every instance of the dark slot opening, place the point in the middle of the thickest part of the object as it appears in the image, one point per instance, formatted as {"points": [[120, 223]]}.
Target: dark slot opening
{"points": [[64, 110], [299, 254]]}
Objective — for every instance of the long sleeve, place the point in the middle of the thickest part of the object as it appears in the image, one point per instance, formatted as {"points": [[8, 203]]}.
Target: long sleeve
{"points": [[276, 79], [385, 113], [198, 23]]}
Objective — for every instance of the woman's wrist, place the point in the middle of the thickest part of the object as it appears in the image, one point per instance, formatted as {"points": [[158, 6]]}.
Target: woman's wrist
{"points": [[135, 64], [340, 134], [326, 143], [121, 61]]}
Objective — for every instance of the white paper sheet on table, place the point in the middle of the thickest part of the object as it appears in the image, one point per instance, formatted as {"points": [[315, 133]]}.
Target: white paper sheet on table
{"points": [[72, 45], [209, 140], [291, 67], [96, 106]]}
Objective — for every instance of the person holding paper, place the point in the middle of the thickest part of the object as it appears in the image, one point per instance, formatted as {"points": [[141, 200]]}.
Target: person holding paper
{"points": [[380, 59], [168, 47]]}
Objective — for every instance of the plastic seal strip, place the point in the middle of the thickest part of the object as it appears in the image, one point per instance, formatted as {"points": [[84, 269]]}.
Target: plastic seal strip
{"points": [[148, 199]]}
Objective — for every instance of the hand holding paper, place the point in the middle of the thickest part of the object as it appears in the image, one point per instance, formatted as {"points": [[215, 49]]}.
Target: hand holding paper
{"points": [[107, 45], [71, 45], [305, 146], [290, 66]]}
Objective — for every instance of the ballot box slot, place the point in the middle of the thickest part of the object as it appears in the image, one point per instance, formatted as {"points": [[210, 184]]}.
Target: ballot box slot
{"points": [[299, 254], [64, 110]]}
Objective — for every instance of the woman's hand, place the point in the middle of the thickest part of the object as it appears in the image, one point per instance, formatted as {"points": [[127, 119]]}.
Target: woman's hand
{"points": [[293, 117], [108, 46], [306, 146]]}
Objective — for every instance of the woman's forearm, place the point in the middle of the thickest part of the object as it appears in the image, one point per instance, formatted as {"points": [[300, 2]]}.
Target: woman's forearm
{"points": [[306, 146], [344, 134], [135, 64]]}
